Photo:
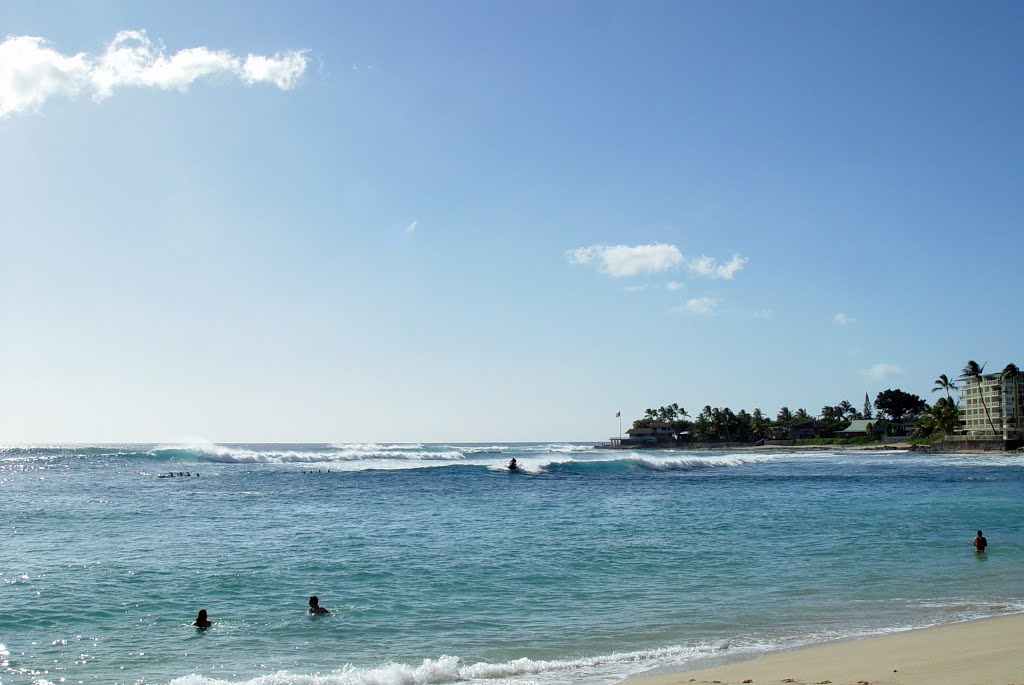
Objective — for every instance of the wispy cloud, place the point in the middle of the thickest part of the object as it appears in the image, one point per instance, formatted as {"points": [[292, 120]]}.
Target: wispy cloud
{"points": [[708, 267], [674, 285], [704, 306], [412, 226], [842, 319], [883, 372], [765, 313], [618, 261], [31, 72]]}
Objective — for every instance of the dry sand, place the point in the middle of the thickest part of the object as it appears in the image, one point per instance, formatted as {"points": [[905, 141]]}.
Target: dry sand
{"points": [[985, 652]]}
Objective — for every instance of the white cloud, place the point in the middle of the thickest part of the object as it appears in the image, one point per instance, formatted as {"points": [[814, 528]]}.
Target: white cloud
{"points": [[883, 372], [31, 72], [842, 319], [708, 267], [283, 69], [766, 313], [627, 260], [705, 306], [636, 288], [412, 227], [674, 285]]}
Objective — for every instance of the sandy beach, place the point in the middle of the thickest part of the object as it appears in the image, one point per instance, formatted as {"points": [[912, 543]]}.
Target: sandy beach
{"points": [[983, 652]]}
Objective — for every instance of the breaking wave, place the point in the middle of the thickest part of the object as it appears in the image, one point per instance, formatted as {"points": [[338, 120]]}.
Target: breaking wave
{"points": [[451, 669]]}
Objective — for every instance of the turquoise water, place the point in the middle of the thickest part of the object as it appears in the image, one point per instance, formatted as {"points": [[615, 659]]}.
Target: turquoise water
{"points": [[442, 566]]}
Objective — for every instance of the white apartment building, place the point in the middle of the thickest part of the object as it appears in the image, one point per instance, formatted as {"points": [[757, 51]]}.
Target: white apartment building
{"points": [[1004, 397]]}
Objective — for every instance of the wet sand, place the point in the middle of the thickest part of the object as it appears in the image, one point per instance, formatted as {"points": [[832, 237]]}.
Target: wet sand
{"points": [[983, 652]]}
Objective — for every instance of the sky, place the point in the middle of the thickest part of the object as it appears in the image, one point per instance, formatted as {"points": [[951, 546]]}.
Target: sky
{"points": [[492, 221]]}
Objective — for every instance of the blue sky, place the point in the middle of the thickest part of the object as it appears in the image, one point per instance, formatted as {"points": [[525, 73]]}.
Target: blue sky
{"points": [[492, 221]]}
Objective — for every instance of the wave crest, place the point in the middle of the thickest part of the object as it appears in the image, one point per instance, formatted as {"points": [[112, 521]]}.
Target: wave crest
{"points": [[451, 669], [354, 452]]}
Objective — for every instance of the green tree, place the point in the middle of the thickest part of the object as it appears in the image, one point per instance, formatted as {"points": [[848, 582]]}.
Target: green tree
{"points": [[943, 383], [897, 405], [867, 408], [945, 415], [759, 424], [720, 419], [784, 416], [972, 370], [703, 427], [801, 415], [744, 426], [848, 411]]}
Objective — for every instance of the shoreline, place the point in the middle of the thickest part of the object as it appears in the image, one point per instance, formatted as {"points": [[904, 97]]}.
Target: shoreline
{"points": [[985, 651], [870, 447]]}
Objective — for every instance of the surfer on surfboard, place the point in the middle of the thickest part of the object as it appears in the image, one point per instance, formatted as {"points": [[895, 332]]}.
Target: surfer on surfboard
{"points": [[512, 465]]}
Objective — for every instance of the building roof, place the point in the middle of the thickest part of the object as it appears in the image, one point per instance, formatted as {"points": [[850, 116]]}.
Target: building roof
{"points": [[861, 426], [640, 431]]}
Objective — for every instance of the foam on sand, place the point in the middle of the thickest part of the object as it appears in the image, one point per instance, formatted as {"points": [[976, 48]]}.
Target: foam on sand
{"points": [[981, 652]]}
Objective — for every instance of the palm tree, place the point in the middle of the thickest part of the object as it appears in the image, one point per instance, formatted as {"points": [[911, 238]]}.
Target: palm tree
{"points": [[1012, 373], [849, 411], [759, 423], [972, 370], [943, 383], [945, 414]]}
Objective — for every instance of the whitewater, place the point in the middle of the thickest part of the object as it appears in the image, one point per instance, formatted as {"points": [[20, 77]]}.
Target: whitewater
{"points": [[441, 566]]}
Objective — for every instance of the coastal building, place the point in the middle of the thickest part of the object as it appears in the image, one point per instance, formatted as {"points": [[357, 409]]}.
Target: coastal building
{"points": [[652, 433], [991, 407], [863, 427], [806, 430], [641, 435]]}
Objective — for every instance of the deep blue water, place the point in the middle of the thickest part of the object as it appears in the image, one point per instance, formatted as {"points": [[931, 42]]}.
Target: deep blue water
{"points": [[440, 565]]}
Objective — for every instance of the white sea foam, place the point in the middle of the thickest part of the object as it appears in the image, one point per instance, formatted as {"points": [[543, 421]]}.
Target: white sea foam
{"points": [[450, 669], [558, 448], [678, 462], [353, 452]]}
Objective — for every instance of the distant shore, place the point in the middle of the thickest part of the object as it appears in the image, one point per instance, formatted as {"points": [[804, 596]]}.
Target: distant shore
{"points": [[982, 652], [869, 447]]}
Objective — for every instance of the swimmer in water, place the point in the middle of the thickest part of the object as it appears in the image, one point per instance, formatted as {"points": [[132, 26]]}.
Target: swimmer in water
{"points": [[202, 621], [315, 608]]}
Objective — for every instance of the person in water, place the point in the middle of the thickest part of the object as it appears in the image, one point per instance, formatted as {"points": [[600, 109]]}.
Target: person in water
{"points": [[315, 608], [512, 465], [202, 621], [980, 543]]}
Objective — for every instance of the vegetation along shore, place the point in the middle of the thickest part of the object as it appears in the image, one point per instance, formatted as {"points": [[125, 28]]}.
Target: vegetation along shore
{"points": [[975, 411]]}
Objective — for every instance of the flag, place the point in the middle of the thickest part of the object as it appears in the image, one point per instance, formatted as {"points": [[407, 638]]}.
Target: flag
{"points": [[618, 414]]}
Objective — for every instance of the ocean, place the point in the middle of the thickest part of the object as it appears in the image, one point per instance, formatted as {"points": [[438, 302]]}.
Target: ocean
{"points": [[440, 565]]}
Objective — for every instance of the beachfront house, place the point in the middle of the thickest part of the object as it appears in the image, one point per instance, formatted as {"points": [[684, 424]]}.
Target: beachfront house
{"points": [[806, 430], [652, 433], [641, 435], [860, 428]]}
